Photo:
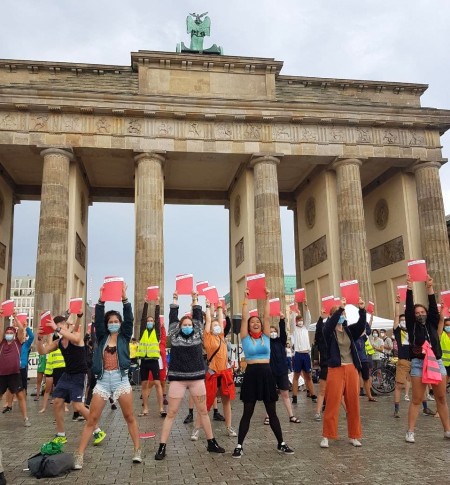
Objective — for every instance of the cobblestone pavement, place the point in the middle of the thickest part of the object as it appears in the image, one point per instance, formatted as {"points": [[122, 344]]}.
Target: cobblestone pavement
{"points": [[384, 458]]}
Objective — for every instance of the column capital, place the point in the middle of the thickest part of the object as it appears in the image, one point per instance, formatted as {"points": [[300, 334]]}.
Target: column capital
{"points": [[345, 161], [159, 156], [426, 164], [265, 158], [65, 152]]}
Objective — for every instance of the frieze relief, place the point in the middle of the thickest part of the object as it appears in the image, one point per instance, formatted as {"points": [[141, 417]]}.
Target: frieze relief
{"points": [[315, 253], [388, 253]]}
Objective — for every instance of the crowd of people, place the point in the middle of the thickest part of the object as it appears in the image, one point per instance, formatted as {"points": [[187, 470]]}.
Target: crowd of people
{"points": [[90, 370]]}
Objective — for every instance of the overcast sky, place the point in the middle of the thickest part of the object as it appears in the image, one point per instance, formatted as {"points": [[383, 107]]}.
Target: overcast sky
{"points": [[371, 39]]}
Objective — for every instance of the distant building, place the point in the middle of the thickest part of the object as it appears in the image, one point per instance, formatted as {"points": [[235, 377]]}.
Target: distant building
{"points": [[22, 292]]}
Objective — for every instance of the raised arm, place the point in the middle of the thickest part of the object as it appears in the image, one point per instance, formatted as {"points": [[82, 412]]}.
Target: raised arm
{"points": [[266, 321], [397, 311], [157, 322], [208, 317], [2, 324], [282, 327], [244, 326], [197, 316], [220, 314], [50, 347], [441, 320], [79, 327], [173, 315], [307, 315], [330, 325], [433, 312], [144, 315], [409, 309], [358, 328], [227, 328]]}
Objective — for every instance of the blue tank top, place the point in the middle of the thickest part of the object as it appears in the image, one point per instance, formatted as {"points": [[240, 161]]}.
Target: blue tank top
{"points": [[256, 348]]}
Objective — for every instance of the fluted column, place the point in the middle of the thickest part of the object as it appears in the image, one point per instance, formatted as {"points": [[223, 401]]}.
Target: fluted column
{"points": [[433, 228], [149, 208], [269, 255], [352, 229], [52, 254]]}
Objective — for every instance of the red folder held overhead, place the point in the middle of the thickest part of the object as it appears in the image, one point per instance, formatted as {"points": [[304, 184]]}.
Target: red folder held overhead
{"points": [[370, 307], [46, 317], [223, 303], [210, 293], [184, 284], [161, 320], [22, 317], [253, 313], [275, 307], [112, 288], [293, 307], [328, 303], [350, 291], [417, 269], [299, 295], [256, 283], [445, 295], [200, 286], [8, 308], [401, 290], [337, 301], [75, 305], [152, 293]]}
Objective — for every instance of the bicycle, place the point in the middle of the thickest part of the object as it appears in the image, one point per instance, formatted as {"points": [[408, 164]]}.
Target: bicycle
{"points": [[383, 378]]}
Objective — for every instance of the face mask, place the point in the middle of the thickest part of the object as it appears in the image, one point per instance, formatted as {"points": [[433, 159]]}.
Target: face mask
{"points": [[217, 330], [9, 337], [273, 335], [447, 328], [113, 327], [341, 320], [187, 330], [150, 325], [421, 319], [300, 323], [375, 335], [402, 323]]}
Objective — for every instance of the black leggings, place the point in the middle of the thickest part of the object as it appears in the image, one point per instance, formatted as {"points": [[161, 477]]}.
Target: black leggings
{"points": [[271, 411]]}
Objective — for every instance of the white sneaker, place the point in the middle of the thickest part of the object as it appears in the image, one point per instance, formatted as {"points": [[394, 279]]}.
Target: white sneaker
{"points": [[77, 461], [324, 443], [406, 397], [137, 456], [231, 432], [447, 434], [409, 438], [195, 433], [317, 417], [430, 397], [354, 442], [26, 422]]}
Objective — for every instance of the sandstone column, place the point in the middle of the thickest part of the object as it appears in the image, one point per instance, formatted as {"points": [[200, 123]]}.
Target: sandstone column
{"points": [[52, 256], [352, 229], [149, 207], [269, 256], [432, 223]]}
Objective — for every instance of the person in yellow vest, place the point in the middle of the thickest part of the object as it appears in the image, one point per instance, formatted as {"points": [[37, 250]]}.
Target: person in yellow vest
{"points": [[444, 328], [149, 353], [133, 351], [54, 369]]}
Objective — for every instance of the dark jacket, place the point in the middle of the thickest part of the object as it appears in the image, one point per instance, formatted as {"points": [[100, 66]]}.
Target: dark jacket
{"points": [[418, 333], [319, 338], [353, 331], [278, 362], [123, 339]]}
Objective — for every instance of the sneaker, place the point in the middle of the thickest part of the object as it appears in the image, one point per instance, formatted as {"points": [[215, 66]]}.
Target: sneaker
{"points": [[165, 402], [195, 434], [214, 447], [354, 442], [396, 413], [324, 443], [409, 438], [99, 437], [26, 422], [361, 392], [59, 439], [231, 432], [294, 399], [428, 412], [406, 397], [317, 417], [314, 398], [80, 418], [137, 456], [7, 409], [430, 397], [77, 461], [75, 416], [161, 453], [218, 416], [188, 419], [237, 453], [447, 434], [284, 448]]}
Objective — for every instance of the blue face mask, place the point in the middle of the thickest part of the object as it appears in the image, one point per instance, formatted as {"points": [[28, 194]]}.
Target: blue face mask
{"points": [[150, 325], [187, 330], [113, 327], [447, 328], [9, 337], [341, 320]]}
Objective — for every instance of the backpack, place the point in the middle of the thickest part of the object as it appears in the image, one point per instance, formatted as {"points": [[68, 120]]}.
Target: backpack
{"points": [[43, 466]]}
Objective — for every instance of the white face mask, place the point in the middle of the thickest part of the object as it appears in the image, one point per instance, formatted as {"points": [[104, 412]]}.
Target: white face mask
{"points": [[300, 323], [217, 330], [402, 324], [273, 335]]}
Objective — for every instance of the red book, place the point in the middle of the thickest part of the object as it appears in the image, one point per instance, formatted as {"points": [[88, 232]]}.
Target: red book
{"points": [[112, 288], [75, 305], [293, 307], [328, 303], [8, 308], [401, 290], [210, 293], [417, 269], [350, 291], [152, 293], [22, 317], [370, 307], [299, 295], [275, 307], [445, 295], [253, 313], [46, 317], [256, 283], [223, 303], [200, 286], [184, 284]]}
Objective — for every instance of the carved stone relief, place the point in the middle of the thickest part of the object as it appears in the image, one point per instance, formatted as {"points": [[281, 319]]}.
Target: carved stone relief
{"points": [[310, 212], [2, 256], [39, 122], [381, 214], [103, 126], [390, 136], [237, 210], [239, 252], [224, 130], [82, 208], [80, 251], [315, 253], [363, 135], [134, 127], [9, 121], [388, 253]]}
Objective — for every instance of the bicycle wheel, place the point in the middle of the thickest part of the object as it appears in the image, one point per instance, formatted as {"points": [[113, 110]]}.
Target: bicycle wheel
{"points": [[383, 380]]}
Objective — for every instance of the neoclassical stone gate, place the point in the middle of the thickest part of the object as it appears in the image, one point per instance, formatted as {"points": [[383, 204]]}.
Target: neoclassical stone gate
{"points": [[357, 162]]}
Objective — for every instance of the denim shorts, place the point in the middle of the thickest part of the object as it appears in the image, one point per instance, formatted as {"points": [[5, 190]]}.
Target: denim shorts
{"points": [[112, 384], [417, 367]]}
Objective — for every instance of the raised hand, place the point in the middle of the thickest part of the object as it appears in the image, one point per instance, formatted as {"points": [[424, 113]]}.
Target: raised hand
{"points": [[361, 303], [343, 302]]}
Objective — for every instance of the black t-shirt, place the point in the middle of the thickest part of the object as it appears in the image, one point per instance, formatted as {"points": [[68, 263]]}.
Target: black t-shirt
{"points": [[74, 357], [401, 338]]}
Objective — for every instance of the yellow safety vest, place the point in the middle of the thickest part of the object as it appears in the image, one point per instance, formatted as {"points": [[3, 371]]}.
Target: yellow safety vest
{"points": [[133, 350], [368, 347], [445, 346], [55, 360], [149, 345]]}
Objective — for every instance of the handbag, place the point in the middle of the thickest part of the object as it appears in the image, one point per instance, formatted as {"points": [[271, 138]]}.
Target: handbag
{"points": [[44, 466]]}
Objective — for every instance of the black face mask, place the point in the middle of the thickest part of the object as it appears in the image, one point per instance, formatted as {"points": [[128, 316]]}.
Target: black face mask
{"points": [[421, 319]]}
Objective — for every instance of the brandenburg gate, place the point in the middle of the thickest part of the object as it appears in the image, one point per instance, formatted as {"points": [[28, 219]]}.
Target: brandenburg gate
{"points": [[356, 161]]}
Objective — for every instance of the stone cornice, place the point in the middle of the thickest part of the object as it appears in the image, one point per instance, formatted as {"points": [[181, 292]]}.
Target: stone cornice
{"points": [[12, 65]]}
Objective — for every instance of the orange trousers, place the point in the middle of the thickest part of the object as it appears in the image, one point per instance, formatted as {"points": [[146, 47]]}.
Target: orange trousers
{"points": [[342, 381]]}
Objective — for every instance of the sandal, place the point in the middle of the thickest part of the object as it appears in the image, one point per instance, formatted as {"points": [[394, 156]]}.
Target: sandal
{"points": [[294, 419], [143, 413], [163, 414], [267, 421], [7, 409], [372, 399]]}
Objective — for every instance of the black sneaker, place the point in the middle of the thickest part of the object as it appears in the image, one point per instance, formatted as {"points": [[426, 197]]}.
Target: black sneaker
{"points": [[294, 399], [7, 409], [218, 417], [75, 416], [284, 448], [161, 453], [213, 447], [237, 453], [189, 419], [314, 398]]}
